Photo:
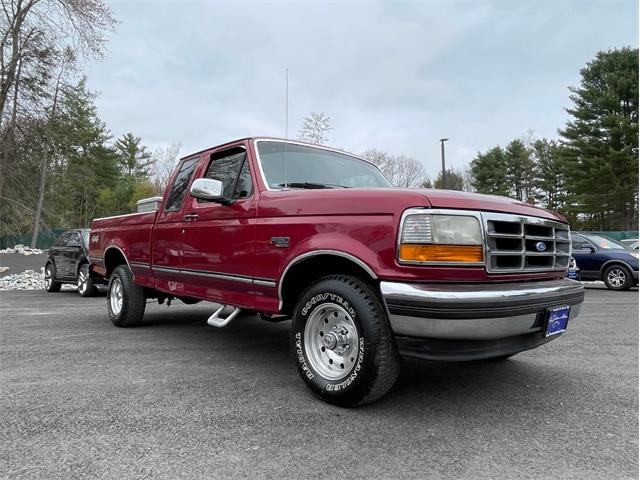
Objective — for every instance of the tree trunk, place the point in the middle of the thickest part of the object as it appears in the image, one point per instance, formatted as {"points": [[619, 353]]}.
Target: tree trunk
{"points": [[45, 164], [36, 218]]}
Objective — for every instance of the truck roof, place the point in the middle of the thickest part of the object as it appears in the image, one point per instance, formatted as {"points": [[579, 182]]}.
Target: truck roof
{"points": [[279, 139]]}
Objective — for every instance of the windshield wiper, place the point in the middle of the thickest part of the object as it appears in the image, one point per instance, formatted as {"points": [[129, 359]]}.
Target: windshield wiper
{"points": [[310, 185]]}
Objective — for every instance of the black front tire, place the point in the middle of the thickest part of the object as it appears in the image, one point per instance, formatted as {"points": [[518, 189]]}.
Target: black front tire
{"points": [[372, 364], [618, 277], [50, 284], [86, 286], [126, 301]]}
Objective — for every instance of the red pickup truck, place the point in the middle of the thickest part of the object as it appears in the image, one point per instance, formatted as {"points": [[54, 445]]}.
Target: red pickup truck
{"points": [[365, 272]]}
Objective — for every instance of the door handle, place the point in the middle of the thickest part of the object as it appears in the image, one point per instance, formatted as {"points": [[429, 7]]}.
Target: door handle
{"points": [[192, 217]]}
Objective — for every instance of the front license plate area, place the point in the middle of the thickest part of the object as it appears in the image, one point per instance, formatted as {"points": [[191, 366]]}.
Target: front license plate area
{"points": [[557, 320]]}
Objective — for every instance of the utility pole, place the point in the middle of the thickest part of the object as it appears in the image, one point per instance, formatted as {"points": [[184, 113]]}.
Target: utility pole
{"points": [[444, 171]]}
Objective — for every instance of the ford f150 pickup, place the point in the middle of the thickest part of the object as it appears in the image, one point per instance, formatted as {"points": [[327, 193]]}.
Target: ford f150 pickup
{"points": [[365, 272]]}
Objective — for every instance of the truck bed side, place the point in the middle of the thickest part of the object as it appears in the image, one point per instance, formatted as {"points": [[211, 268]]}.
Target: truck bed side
{"points": [[123, 236]]}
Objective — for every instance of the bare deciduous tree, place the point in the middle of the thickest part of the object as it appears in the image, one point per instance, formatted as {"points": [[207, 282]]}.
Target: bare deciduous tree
{"points": [[402, 171], [409, 172], [315, 129], [164, 160]]}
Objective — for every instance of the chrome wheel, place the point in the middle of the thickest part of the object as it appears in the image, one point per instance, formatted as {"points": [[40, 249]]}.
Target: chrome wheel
{"points": [[115, 296], [616, 277], [83, 276], [47, 277], [331, 341]]}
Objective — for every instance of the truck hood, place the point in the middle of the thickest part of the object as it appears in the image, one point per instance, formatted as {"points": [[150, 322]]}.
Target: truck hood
{"points": [[360, 201], [492, 203]]}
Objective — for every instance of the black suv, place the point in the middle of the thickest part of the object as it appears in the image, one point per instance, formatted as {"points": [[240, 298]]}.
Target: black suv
{"points": [[68, 263]]}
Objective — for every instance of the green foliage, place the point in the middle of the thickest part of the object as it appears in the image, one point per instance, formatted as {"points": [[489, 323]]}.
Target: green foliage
{"points": [[142, 188], [506, 172], [550, 175], [489, 172], [600, 142], [86, 177], [135, 159], [519, 170], [591, 176], [454, 180], [84, 163]]}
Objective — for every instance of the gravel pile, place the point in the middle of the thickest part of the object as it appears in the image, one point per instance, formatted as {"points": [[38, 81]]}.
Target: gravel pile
{"points": [[22, 250], [27, 280]]}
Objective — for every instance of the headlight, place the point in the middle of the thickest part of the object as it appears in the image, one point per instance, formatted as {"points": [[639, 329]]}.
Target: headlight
{"points": [[634, 254], [441, 238]]}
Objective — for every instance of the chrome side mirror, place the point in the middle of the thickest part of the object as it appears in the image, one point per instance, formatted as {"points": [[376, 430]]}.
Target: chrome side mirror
{"points": [[207, 189]]}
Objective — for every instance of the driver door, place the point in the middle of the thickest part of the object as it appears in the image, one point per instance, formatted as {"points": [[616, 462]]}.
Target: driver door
{"points": [[57, 254], [586, 257], [217, 251]]}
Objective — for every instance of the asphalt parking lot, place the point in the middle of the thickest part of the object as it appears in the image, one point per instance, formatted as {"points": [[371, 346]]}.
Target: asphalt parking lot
{"points": [[175, 398]]}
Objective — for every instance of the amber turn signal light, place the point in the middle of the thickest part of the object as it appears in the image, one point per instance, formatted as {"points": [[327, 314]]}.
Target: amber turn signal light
{"points": [[441, 253]]}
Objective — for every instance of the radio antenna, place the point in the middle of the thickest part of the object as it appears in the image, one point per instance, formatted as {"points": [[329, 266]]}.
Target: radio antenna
{"points": [[286, 124]]}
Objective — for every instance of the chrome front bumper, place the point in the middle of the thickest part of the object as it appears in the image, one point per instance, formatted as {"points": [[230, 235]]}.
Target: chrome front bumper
{"points": [[477, 312]]}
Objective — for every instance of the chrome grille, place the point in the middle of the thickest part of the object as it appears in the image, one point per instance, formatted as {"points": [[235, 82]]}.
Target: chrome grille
{"points": [[517, 243]]}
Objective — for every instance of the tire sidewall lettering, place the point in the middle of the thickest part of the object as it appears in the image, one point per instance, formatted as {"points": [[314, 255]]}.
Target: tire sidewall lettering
{"points": [[321, 382], [301, 358]]}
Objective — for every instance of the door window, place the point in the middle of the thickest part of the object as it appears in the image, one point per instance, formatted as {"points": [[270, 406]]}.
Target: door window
{"points": [[65, 240], [62, 240], [578, 243], [180, 184], [231, 167], [73, 240]]}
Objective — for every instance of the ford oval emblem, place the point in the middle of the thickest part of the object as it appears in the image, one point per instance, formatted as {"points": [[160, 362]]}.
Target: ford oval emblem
{"points": [[541, 246]]}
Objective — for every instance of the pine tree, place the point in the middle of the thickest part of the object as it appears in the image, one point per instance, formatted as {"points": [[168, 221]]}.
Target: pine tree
{"points": [[519, 170], [488, 172], [85, 164], [600, 142], [455, 180], [134, 157], [549, 179]]}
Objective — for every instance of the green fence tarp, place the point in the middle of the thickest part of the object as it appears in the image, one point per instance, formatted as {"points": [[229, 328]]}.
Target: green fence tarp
{"points": [[45, 239]]}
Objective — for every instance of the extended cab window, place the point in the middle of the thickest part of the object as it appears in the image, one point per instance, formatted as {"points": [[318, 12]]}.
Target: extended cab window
{"points": [[231, 167], [180, 184]]}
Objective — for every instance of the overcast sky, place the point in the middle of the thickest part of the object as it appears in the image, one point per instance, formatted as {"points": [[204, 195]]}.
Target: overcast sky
{"points": [[392, 76]]}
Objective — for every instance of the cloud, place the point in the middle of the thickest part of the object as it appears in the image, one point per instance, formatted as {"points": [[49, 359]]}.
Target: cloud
{"points": [[392, 76]]}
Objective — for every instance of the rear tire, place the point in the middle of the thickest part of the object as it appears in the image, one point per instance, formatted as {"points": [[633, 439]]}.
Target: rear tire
{"points": [[617, 277], [341, 342], [86, 287], [126, 300], [50, 284]]}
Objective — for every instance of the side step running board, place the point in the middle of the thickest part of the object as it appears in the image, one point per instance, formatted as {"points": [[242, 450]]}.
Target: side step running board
{"points": [[217, 320]]}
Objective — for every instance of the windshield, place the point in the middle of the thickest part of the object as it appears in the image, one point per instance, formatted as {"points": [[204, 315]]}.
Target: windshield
{"points": [[309, 167], [85, 236], [603, 242]]}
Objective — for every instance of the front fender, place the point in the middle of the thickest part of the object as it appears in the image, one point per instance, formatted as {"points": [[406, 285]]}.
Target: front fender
{"points": [[335, 244], [620, 261]]}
